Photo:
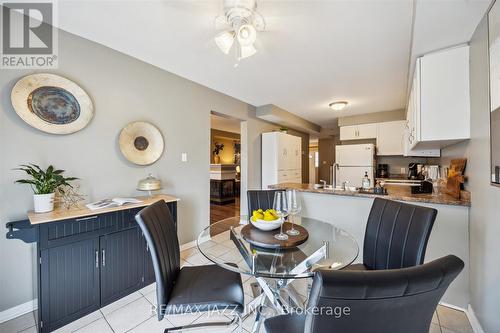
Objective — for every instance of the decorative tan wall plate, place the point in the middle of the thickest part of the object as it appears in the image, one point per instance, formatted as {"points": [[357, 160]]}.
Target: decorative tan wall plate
{"points": [[141, 143], [52, 103]]}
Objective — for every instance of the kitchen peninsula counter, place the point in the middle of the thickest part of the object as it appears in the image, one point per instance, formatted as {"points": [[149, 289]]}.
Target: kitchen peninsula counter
{"points": [[350, 211], [401, 193]]}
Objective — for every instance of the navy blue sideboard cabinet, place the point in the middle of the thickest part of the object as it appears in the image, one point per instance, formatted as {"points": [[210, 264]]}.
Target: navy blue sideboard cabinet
{"points": [[87, 259]]}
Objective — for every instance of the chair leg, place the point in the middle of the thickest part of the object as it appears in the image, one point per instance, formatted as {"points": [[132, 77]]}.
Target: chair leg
{"points": [[235, 320]]}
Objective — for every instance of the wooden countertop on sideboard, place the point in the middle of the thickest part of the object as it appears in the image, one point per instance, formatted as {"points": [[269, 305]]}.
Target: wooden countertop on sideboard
{"points": [[61, 213]]}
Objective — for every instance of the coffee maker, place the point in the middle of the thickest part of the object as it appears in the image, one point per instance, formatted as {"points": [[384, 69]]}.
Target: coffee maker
{"points": [[383, 171], [415, 171]]}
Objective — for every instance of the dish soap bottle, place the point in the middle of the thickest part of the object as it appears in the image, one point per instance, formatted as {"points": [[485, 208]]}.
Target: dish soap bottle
{"points": [[365, 183]]}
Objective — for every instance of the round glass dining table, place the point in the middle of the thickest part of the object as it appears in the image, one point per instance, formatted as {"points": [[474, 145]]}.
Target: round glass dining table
{"points": [[327, 247]]}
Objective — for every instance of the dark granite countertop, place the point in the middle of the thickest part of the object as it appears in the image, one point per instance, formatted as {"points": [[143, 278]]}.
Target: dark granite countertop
{"points": [[401, 193]]}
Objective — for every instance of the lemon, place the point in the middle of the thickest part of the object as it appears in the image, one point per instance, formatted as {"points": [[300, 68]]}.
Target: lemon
{"points": [[268, 216], [257, 215]]}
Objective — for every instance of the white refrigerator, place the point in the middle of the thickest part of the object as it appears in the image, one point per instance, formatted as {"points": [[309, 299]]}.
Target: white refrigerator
{"points": [[354, 161]]}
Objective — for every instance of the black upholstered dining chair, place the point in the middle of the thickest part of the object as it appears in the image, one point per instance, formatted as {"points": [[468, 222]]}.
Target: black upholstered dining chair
{"points": [[393, 300], [187, 289], [260, 199], [396, 235]]}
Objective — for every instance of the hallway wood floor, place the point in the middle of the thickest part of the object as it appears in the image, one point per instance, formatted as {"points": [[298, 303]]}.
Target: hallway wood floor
{"points": [[218, 213]]}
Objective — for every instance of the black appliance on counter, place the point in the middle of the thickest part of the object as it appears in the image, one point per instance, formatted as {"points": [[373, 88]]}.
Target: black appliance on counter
{"points": [[425, 187], [383, 171], [415, 171]]}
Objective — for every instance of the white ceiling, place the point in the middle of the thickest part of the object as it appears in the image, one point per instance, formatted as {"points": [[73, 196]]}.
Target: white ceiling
{"points": [[312, 52]]}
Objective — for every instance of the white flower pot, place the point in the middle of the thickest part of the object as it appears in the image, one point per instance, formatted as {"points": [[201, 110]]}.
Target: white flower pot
{"points": [[44, 202]]}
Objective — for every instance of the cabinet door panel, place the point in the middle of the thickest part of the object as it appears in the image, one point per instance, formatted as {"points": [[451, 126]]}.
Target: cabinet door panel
{"points": [[284, 176], [367, 131], [390, 138], [348, 133], [297, 153], [69, 282], [444, 95], [283, 148], [122, 264]]}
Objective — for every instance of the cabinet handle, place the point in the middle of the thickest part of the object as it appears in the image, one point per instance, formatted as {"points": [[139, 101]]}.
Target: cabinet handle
{"points": [[87, 218], [103, 257], [97, 259]]}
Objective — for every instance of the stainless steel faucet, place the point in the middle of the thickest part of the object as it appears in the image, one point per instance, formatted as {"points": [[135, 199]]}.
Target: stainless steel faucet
{"points": [[323, 182], [333, 173]]}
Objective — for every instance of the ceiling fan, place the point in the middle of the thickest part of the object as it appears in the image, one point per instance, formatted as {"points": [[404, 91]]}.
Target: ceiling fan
{"points": [[240, 23]]}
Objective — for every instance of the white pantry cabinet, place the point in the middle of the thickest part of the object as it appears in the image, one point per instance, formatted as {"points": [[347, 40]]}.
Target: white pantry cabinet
{"points": [[281, 159], [440, 101], [358, 132]]}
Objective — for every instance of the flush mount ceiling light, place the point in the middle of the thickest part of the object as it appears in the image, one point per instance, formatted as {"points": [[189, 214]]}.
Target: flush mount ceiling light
{"points": [[337, 106], [239, 23]]}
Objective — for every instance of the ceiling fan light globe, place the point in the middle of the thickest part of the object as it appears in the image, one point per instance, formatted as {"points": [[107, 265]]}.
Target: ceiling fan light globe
{"points": [[224, 41], [247, 35], [247, 51]]}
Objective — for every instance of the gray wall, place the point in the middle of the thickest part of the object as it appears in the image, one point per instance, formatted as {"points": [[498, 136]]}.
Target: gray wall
{"points": [[123, 89], [484, 214]]}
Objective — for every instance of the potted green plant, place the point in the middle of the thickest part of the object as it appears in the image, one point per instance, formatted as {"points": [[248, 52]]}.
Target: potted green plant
{"points": [[218, 147], [44, 184]]}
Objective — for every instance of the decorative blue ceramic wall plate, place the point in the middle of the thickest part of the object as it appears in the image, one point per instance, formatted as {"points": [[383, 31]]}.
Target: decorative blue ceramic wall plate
{"points": [[52, 103]]}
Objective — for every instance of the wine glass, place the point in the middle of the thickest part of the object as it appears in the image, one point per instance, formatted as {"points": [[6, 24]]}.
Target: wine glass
{"points": [[280, 205], [295, 208]]}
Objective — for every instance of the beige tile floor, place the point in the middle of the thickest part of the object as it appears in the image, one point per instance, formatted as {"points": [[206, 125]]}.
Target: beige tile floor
{"points": [[133, 313]]}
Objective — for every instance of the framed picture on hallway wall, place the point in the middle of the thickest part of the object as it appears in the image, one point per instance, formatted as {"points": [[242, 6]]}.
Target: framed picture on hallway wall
{"points": [[494, 60]]}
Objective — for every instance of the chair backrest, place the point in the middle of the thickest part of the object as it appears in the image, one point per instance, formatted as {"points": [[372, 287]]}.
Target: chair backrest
{"points": [[158, 227], [393, 300], [396, 234], [260, 199]]}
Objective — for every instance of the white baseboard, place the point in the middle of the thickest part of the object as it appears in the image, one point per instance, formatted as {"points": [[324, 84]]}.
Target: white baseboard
{"points": [[188, 245], [448, 305], [18, 310], [193, 243], [474, 322], [469, 312]]}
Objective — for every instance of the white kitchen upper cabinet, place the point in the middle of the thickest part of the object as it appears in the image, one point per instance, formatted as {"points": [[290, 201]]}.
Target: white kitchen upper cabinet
{"points": [[411, 126], [367, 131], [390, 138], [440, 114], [358, 132], [281, 158], [348, 133]]}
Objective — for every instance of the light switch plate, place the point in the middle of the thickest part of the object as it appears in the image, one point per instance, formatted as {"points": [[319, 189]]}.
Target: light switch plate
{"points": [[403, 171], [184, 157]]}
